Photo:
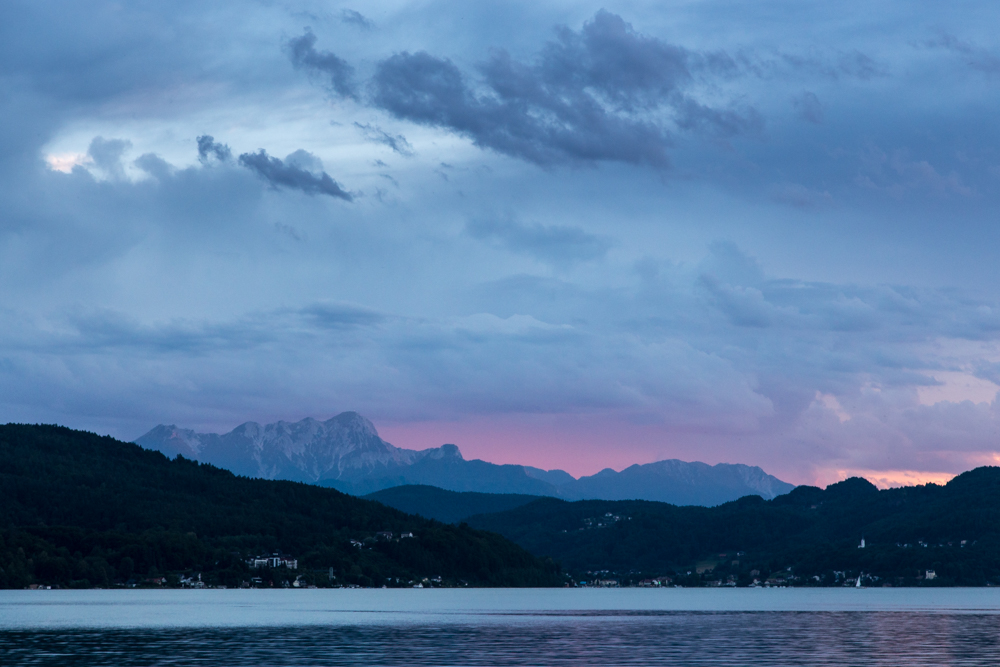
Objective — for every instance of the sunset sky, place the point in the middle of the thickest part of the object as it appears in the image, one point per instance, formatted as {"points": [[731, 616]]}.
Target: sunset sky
{"points": [[565, 234]]}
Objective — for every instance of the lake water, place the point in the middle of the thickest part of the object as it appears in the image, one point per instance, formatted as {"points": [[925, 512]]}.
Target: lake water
{"points": [[738, 627]]}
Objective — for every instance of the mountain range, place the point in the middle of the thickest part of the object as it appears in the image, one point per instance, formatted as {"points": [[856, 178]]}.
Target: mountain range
{"points": [[346, 453]]}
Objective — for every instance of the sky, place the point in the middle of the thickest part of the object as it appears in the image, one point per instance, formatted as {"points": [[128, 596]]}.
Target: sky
{"points": [[566, 234]]}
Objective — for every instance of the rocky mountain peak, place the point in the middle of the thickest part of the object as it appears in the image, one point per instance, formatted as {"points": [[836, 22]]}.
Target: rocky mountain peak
{"points": [[444, 452], [352, 421]]}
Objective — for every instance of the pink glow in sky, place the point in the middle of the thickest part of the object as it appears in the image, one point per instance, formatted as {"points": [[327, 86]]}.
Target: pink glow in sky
{"points": [[585, 445], [580, 446], [573, 446]]}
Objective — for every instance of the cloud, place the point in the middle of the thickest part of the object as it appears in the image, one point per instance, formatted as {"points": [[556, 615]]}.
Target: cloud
{"points": [[108, 330], [859, 65], [107, 154], [137, 291], [743, 306], [757, 374], [280, 174], [809, 108], [340, 315], [606, 93], [209, 148], [799, 196], [356, 18], [154, 165], [304, 160], [376, 134], [104, 330], [898, 174], [339, 74], [726, 262], [834, 66], [975, 57], [551, 243]]}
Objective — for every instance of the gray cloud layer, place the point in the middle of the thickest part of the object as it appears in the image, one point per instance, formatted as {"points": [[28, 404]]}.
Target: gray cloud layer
{"points": [[549, 243]]}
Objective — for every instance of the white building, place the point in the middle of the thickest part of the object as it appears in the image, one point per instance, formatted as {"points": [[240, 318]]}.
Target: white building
{"points": [[274, 561]]}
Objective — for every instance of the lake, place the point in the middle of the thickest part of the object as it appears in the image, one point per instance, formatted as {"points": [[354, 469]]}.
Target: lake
{"points": [[760, 627]]}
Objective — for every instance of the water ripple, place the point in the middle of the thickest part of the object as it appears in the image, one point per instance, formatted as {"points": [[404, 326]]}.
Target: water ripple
{"points": [[765, 639]]}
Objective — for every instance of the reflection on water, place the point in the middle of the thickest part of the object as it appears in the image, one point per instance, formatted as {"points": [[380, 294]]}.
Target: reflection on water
{"points": [[605, 638]]}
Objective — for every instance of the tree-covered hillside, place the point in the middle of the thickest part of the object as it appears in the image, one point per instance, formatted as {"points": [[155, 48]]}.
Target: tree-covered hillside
{"points": [[952, 530], [447, 506], [77, 509]]}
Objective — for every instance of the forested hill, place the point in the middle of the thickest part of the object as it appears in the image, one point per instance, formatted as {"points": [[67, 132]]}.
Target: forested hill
{"points": [[808, 536], [77, 509], [447, 506]]}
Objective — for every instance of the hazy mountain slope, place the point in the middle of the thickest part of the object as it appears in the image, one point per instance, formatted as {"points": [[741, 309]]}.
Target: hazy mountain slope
{"points": [[447, 506], [678, 483], [554, 477], [452, 472]]}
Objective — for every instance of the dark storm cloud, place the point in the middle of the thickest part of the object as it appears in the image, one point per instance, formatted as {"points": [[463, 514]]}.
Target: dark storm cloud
{"points": [[376, 134], [280, 174], [209, 148], [605, 93], [551, 243], [338, 72], [431, 91], [354, 17]]}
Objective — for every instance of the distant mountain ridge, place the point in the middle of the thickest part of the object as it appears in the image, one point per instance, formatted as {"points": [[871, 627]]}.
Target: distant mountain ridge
{"points": [[346, 453], [696, 483]]}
